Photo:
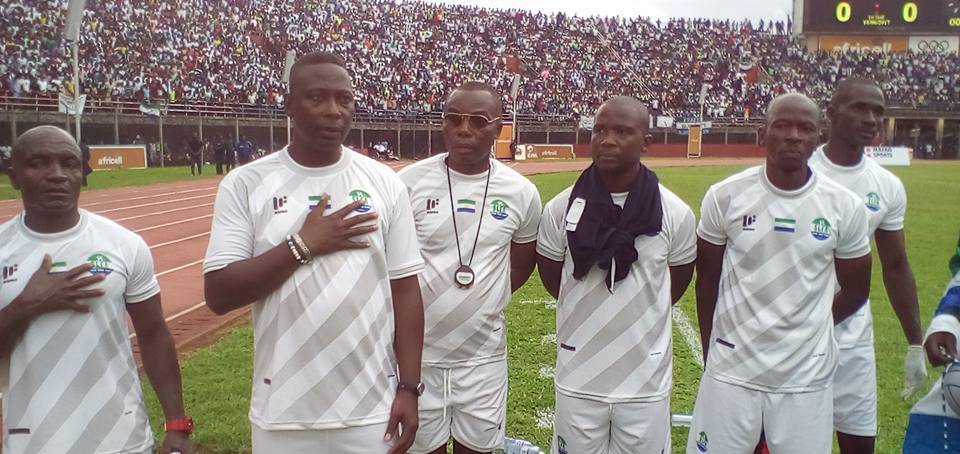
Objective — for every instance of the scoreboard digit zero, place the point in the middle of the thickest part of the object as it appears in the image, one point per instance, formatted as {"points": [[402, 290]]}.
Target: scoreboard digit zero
{"points": [[881, 16]]}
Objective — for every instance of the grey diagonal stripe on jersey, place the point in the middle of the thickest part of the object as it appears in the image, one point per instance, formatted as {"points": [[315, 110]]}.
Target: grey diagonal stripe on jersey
{"points": [[629, 362], [343, 374], [333, 327], [473, 342], [140, 422], [291, 308], [583, 307], [465, 230], [802, 350], [773, 289], [376, 393], [105, 419], [764, 249], [601, 339], [73, 395], [22, 392]]}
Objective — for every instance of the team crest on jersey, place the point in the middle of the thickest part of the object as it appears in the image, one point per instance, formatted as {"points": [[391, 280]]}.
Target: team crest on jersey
{"points": [[820, 229], [873, 201], [498, 209], [358, 195], [702, 442], [561, 445], [100, 263]]}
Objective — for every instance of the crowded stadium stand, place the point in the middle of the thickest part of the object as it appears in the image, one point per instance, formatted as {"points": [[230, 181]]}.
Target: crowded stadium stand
{"points": [[211, 56]]}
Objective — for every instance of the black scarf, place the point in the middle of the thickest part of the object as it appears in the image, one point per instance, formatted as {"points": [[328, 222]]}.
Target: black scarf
{"points": [[605, 232]]}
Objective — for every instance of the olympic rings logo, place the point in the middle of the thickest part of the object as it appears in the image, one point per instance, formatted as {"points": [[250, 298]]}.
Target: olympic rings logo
{"points": [[933, 45]]}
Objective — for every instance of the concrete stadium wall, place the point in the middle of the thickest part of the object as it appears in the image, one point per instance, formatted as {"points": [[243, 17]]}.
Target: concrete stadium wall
{"points": [[661, 150]]}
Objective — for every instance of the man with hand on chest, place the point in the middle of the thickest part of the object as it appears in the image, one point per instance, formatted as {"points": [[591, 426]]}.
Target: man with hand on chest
{"points": [[490, 213], [321, 242], [70, 278]]}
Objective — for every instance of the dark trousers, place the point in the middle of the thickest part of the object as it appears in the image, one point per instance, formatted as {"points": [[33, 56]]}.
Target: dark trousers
{"points": [[199, 166]]}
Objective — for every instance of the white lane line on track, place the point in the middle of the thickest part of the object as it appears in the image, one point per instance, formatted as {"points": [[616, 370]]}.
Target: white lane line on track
{"points": [[182, 221], [180, 240], [163, 212], [178, 314], [155, 203], [181, 267], [149, 196]]}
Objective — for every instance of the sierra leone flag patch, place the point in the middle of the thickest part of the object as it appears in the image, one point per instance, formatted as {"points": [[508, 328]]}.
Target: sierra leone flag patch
{"points": [[466, 206], [784, 225], [315, 200]]}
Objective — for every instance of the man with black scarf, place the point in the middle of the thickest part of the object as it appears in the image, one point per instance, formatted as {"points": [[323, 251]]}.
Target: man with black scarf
{"points": [[617, 250]]}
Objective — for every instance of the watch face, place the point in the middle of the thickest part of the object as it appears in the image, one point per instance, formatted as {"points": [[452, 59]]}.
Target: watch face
{"points": [[420, 388]]}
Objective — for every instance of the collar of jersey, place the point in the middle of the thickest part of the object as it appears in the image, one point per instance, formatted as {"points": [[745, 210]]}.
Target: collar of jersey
{"points": [[821, 151], [56, 236], [482, 176], [346, 155], [788, 194]]}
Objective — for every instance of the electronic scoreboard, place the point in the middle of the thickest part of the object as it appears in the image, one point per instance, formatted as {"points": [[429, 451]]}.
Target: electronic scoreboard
{"points": [[881, 16]]}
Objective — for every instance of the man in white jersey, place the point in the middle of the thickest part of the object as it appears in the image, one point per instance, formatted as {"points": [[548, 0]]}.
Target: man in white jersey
{"points": [[70, 278], [934, 426], [617, 250], [490, 213], [855, 113], [770, 239], [338, 321]]}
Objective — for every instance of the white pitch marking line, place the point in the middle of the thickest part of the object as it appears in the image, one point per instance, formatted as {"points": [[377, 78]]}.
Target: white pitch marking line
{"points": [[151, 196], [689, 334], [163, 212], [186, 238], [162, 273], [155, 203], [146, 229]]}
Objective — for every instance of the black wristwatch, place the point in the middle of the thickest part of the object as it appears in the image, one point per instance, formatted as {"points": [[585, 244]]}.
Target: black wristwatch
{"points": [[416, 389]]}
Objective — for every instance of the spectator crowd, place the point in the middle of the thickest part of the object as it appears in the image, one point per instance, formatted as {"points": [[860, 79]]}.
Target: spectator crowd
{"points": [[406, 55]]}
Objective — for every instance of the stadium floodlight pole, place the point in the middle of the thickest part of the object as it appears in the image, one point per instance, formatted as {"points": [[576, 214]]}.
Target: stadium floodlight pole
{"points": [[514, 91], [287, 65], [72, 33]]}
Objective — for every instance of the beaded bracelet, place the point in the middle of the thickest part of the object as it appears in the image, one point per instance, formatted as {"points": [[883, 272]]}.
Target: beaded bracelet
{"points": [[296, 252], [307, 255]]}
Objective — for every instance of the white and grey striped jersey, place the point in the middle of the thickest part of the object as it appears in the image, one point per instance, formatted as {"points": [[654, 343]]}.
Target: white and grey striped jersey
{"points": [[617, 347], [773, 321], [466, 327], [323, 353], [71, 383], [886, 201]]}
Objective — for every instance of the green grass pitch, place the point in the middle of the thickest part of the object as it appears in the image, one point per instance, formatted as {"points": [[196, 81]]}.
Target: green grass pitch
{"points": [[217, 378]]}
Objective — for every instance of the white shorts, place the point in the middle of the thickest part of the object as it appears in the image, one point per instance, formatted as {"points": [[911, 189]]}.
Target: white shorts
{"points": [[351, 440], [728, 419], [466, 403], [855, 392], [595, 427]]}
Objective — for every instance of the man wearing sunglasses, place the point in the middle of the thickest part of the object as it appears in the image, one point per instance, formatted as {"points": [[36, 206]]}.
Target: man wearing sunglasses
{"points": [[617, 250], [477, 225]]}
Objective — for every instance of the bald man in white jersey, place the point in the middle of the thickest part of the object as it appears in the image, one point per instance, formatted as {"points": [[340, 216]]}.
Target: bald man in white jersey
{"points": [[771, 239], [70, 279]]}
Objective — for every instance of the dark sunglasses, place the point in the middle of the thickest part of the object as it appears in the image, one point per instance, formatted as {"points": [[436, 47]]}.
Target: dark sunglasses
{"points": [[475, 121]]}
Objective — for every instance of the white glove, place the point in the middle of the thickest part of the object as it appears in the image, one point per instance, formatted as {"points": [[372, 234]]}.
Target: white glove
{"points": [[914, 371]]}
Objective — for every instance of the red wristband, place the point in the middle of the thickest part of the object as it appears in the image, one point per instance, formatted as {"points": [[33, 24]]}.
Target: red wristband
{"points": [[179, 425]]}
